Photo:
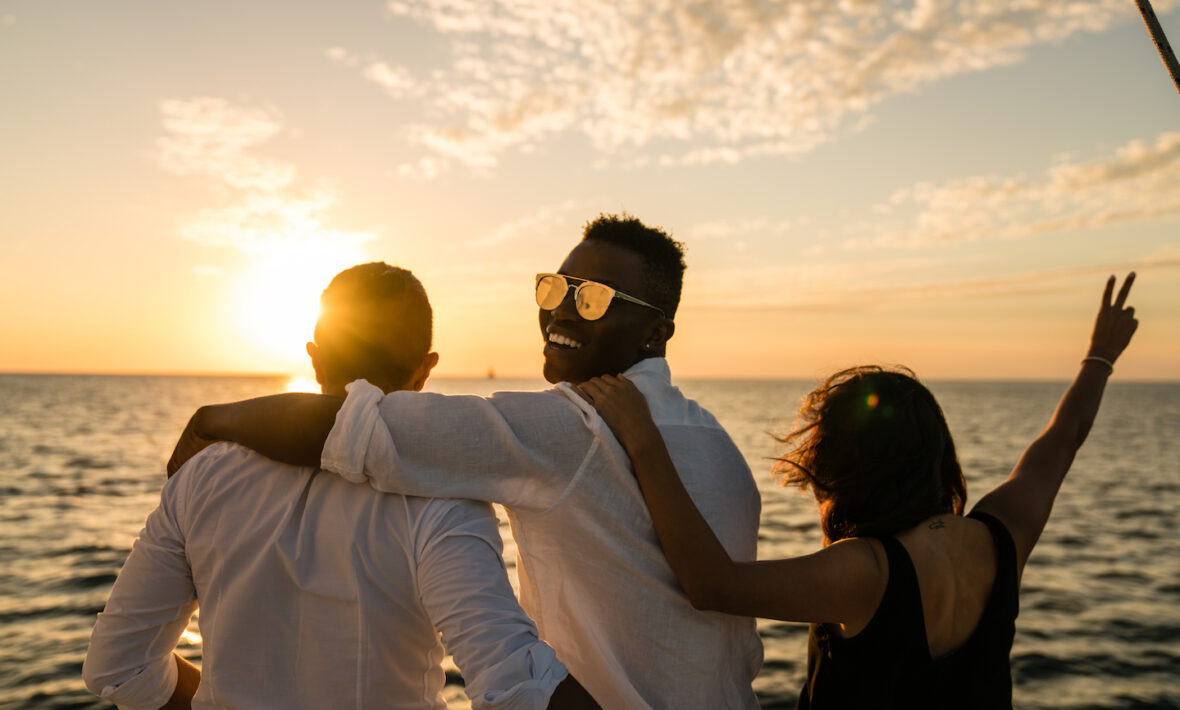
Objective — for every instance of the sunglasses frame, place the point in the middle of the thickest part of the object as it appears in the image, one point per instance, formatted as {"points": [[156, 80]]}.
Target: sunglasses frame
{"points": [[614, 293]]}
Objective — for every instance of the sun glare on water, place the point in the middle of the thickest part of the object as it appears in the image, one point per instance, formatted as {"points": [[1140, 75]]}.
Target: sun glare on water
{"points": [[303, 384]]}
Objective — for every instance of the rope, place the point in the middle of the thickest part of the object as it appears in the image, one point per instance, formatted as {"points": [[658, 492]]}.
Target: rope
{"points": [[1160, 40]]}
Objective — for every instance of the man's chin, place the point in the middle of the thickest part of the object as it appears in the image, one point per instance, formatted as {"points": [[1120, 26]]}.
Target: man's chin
{"points": [[554, 375], [557, 371]]}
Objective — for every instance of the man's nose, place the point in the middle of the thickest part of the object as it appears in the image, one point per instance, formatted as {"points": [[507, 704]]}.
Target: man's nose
{"points": [[568, 308]]}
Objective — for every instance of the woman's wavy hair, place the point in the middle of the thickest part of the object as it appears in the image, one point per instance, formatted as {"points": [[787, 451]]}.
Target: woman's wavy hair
{"points": [[873, 446]]}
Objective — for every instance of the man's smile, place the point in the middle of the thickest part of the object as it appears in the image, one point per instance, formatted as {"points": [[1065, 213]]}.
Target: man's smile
{"points": [[563, 341]]}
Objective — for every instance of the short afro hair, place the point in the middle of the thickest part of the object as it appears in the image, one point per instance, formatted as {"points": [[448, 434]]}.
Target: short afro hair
{"points": [[663, 256]]}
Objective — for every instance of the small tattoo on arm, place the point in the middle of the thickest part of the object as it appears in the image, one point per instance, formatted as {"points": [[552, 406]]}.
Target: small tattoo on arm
{"points": [[936, 524]]}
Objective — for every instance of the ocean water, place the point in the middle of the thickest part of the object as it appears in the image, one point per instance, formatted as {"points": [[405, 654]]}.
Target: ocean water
{"points": [[82, 462]]}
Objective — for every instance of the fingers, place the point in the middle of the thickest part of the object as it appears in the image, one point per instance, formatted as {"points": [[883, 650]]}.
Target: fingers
{"points": [[606, 389], [1122, 297], [1107, 292], [589, 390]]}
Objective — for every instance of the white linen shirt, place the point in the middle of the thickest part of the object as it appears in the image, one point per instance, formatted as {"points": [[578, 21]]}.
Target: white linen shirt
{"points": [[592, 573], [314, 593]]}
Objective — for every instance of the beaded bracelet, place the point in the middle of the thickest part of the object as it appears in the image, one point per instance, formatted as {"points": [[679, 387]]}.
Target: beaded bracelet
{"points": [[1102, 360]]}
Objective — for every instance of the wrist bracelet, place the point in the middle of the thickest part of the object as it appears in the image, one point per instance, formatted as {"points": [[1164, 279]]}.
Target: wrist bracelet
{"points": [[1102, 360]]}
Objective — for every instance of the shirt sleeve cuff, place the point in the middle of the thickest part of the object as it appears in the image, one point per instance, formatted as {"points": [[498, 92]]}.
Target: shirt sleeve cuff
{"points": [[545, 674], [150, 689], [358, 427]]}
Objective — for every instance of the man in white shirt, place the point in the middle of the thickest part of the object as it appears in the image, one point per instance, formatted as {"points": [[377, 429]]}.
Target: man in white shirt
{"points": [[314, 592], [592, 573]]}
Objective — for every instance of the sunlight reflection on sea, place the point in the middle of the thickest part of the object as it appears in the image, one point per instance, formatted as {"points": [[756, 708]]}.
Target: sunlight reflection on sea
{"points": [[82, 459]]}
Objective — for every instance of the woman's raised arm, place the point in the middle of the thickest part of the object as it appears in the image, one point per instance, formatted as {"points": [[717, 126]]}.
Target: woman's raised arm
{"points": [[1023, 501]]}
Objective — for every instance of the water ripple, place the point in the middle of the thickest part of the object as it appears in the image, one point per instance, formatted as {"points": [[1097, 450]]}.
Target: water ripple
{"points": [[1099, 626]]}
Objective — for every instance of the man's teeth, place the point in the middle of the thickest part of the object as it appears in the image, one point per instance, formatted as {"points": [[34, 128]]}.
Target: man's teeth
{"points": [[562, 340]]}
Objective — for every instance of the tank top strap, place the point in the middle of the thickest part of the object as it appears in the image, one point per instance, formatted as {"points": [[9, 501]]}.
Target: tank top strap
{"points": [[1005, 592], [901, 605], [901, 567]]}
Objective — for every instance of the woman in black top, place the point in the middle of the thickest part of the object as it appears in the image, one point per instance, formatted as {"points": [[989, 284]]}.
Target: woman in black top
{"points": [[912, 604]]}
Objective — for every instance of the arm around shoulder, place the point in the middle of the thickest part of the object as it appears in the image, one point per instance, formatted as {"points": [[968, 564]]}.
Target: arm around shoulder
{"points": [[835, 585], [290, 428]]}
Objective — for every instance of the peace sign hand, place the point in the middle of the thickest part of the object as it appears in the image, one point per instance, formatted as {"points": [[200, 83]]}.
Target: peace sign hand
{"points": [[1115, 324]]}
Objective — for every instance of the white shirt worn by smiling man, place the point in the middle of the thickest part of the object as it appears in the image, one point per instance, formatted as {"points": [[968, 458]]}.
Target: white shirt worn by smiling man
{"points": [[592, 574]]}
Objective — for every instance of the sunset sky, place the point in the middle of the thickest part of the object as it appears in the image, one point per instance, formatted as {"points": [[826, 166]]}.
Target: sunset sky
{"points": [[940, 184]]}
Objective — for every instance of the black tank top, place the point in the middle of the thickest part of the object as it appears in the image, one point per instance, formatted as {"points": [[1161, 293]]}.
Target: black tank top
{"points": [[888, 664]]}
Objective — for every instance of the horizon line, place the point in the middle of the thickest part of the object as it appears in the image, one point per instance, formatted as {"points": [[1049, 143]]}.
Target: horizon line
{"points": [[690, 378]]}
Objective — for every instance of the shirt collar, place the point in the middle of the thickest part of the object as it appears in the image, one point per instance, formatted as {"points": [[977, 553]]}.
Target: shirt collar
{"points": [[656, 367]]}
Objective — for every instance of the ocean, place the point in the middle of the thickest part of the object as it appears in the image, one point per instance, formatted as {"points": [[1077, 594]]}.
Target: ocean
{"points": [[82, 462]]}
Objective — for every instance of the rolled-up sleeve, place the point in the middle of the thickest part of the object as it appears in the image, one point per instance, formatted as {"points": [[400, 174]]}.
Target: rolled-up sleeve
{"points": [[129, 661], [465, 590], [522, 449]]}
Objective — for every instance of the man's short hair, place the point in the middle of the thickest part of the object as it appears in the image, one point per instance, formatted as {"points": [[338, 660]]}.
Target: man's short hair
{"points": [[663, 256], [375, 320]]}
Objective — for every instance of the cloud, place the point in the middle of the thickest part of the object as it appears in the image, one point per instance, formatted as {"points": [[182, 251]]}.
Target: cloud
{"points": [[267, 212], [540, 222], [815, 285], [266, 222], [1139, 181], [396, 81], [685, 83], [826, 288], [733, 228], [210, 136]]}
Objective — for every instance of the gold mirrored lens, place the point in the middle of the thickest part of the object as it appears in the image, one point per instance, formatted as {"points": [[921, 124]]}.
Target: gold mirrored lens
{"points": [[551, 291], [590, 298], [593, 300]]}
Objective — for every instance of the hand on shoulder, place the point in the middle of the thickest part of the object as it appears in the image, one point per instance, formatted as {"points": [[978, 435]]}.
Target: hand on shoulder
{"points": [[624, 409]]}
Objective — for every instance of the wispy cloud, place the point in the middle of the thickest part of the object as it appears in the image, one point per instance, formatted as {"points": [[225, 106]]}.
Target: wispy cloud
{"points": [[210, 137], [539, 222], [267, 222], [824, 288], [747, 226], [396, 81], [723, 79], [1141, 180], [268, 211]]}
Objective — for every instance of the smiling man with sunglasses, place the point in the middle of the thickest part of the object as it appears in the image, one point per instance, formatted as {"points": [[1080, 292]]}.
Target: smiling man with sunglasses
{"points": [[592, 573]]}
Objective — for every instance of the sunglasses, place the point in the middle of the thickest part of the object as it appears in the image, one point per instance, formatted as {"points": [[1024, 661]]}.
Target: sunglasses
{"points": [[590, 297]]}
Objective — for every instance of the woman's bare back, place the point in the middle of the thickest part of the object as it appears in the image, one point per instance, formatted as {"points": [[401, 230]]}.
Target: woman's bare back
{"points": [[954, 559]]}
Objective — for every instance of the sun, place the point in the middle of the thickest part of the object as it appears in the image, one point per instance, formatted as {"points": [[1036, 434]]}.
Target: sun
{"points": [[277, 301]]}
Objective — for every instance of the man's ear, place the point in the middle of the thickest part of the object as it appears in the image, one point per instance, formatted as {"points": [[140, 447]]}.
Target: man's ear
{"points": [[418, 381], [658, 336], [317, 363]]}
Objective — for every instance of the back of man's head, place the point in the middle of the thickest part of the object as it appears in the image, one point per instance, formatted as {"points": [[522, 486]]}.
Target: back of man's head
{"points": [[375, 324], [663, 256]]}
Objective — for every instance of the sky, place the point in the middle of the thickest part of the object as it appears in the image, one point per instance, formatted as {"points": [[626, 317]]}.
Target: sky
{"points": [[944, 185]]}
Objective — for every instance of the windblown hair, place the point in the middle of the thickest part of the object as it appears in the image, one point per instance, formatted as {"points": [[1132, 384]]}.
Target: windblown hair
{"points": [[357, 311], [663, 256], [873, 446]]}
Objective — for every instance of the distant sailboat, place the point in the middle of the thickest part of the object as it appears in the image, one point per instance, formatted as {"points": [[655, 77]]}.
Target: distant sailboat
{"points": [[491, 374]]}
